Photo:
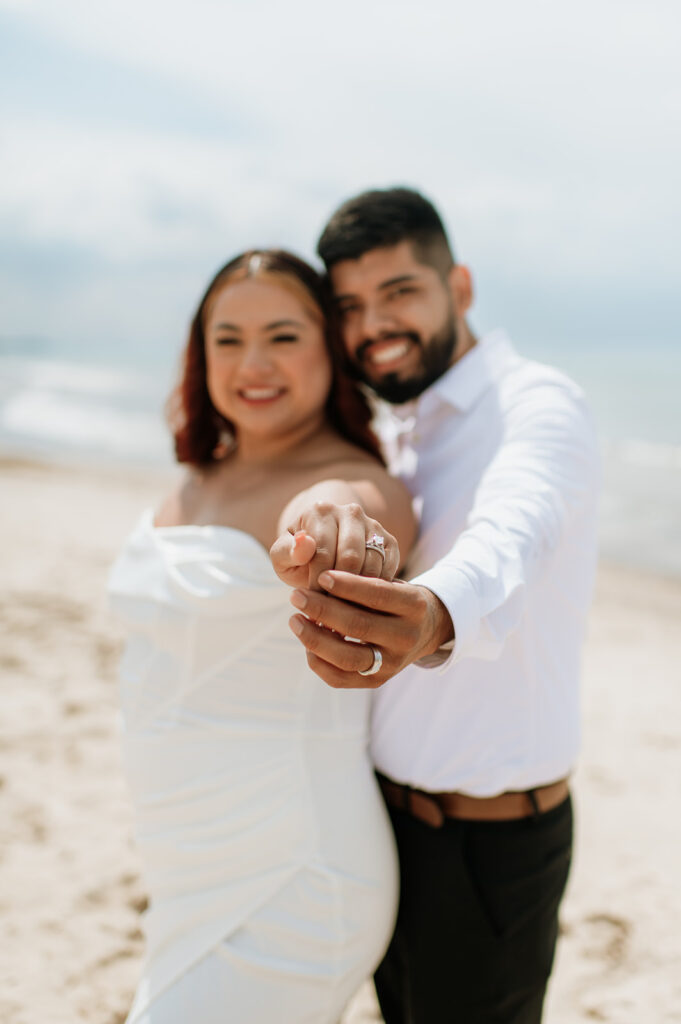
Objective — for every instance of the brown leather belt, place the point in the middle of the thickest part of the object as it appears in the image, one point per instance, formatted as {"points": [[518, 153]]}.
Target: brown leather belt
{"points": [[434, 808]]}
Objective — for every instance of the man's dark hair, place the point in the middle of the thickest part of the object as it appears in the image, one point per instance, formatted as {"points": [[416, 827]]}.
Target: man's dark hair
{"points": [[382, 218]]}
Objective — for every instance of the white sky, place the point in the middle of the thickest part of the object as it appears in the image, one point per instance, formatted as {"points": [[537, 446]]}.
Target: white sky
{"points": [[142, 143]]}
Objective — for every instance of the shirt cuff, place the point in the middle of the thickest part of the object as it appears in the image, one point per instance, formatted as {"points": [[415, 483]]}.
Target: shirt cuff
{"points": [[454, 589], [439, 658]]}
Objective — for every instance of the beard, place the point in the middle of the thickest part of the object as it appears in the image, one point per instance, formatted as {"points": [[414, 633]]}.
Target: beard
{"points": [[437, 353]]}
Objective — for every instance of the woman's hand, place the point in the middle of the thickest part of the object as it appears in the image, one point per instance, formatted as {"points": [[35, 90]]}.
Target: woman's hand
{"points": [[329, 536]]}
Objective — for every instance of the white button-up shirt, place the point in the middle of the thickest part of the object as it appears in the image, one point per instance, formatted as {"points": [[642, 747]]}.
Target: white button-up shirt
{"points": [[500, 454]]}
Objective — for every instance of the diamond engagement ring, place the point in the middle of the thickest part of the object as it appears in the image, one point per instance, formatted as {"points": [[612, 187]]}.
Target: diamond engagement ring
{"points": [[376, 543], [375, 664]]}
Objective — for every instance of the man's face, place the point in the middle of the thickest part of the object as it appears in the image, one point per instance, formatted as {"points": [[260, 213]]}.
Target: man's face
{"points": [[398, 321]]}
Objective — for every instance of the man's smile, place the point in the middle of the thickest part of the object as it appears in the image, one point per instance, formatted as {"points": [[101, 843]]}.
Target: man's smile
{"points": [[387, 354]]}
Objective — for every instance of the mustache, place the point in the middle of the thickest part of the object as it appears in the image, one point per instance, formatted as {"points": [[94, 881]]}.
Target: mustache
{"points": [[364, 346]]}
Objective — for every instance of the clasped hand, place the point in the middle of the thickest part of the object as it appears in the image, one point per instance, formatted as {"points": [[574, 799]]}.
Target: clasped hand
{"points": [[345, 590]]}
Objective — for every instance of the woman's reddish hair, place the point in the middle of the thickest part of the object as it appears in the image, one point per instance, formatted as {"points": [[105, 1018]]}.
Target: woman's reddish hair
{"points": [[199, 429]]}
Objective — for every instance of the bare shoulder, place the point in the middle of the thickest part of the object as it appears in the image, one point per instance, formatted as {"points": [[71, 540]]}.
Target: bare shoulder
{"points": [[178, 507], [331, 456], [355, 465], [363, 479], [389, 498]]}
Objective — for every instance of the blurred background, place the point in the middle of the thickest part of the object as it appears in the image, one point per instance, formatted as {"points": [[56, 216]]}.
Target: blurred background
{"points": [[143, 143]]}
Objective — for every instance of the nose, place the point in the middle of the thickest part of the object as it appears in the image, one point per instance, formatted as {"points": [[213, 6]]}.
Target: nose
{"points": [[374, 321], [256, 362]]}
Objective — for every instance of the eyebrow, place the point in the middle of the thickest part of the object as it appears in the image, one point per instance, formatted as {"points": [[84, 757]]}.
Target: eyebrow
{"points": [[397, 280], [270, 327], [283, 323], [390, 283]]}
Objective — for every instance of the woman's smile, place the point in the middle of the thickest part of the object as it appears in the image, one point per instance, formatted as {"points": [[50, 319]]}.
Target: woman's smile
{"points": [[260, 396], [268, 369]]}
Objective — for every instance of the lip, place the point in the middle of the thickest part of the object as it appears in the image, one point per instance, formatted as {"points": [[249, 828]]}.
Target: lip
{"points": [[260, 396], [385, 356]]}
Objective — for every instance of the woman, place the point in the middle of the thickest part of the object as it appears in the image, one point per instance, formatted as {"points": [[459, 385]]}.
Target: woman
{"points": [[269, 859]]}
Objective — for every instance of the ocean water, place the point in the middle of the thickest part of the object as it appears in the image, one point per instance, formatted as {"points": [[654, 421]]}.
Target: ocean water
{"points": [[59, 401], [635, 394]]}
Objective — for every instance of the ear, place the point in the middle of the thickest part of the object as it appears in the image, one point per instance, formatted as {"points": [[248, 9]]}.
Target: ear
{"points": [[461, 287]]}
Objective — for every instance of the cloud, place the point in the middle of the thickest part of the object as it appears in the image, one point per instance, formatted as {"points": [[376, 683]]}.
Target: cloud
{"points": [[43, 72], [162, 137]]}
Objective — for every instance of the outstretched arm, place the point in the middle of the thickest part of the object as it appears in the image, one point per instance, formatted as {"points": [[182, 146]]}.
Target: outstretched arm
{"points": [[544, 476]]}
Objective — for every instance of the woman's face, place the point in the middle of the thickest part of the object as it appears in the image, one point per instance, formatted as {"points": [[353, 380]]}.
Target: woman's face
{"points": [[268, 368]]}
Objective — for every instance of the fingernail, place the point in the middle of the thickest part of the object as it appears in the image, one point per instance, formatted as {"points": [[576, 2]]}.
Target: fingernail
{"points": [[298, 599], [296, 625], [326, 581]]}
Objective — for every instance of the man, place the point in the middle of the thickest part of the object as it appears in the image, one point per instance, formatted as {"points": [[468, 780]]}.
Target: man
{"points": [[473, 756]]}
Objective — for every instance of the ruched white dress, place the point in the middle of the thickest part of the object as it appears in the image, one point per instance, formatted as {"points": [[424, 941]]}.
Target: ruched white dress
{"points": [[267, 851]]}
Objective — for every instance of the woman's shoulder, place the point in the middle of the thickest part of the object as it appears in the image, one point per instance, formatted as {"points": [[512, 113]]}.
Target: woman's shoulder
{"points": [[178, 508], [344, 461], [335, 457], [329, 450], [347, 475]]}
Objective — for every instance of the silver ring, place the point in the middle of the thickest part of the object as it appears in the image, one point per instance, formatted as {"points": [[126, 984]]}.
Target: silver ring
{"points": [[375, 664], [376, 543]]}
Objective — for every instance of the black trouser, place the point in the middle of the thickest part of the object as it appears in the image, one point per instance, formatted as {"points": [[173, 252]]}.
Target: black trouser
{"points": [[478, 919]]}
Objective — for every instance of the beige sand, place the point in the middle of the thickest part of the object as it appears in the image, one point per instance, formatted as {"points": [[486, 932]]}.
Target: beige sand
{"points": [[70, 893]]}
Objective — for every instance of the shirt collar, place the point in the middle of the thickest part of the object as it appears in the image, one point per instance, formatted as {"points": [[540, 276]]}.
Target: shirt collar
{"points": [[467, 380]]}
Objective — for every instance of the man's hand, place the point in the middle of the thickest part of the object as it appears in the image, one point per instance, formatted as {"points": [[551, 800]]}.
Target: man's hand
{"points": [[403, 621], [329, 536]]}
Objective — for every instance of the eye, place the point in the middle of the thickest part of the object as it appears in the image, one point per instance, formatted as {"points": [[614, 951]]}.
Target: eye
{"points": [[403, 289], [284, 338], [348, 309], [226, 339]]}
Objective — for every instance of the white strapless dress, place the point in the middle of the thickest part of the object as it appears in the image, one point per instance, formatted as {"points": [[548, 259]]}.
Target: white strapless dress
{"points": [[268, 854]]}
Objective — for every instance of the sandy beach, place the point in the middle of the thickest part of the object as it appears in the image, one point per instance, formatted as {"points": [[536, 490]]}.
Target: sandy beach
{"points": [[70, 892]]}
